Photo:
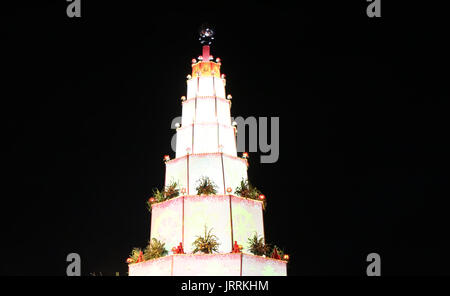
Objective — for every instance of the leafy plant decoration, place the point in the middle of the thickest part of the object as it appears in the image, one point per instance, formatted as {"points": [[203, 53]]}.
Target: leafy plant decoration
{"points": [[208, 243], [257, 246], [155, 249], [134, 255], [206, 186]]}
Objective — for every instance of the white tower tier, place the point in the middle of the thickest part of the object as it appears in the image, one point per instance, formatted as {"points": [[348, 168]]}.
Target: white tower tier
{"points": [[210, 265], [183, 218], [207, 137], [224, 170], [206, 120], [206, 109], [209, 86]]}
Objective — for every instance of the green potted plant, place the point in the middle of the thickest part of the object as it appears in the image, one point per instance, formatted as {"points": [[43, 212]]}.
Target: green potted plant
{"points": [[155, 249], [257, 246], [207, 244], [206, 186]]}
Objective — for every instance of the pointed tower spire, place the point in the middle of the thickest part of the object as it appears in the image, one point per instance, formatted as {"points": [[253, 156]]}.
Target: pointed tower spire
{"points": [[205, 66], [206, 38]]}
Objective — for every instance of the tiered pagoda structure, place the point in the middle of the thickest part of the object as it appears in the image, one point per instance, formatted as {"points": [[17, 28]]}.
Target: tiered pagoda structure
{"points": [[206, 147]]}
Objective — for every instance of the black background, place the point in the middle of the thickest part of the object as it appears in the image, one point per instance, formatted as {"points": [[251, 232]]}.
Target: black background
{"points": [[363, 104]]}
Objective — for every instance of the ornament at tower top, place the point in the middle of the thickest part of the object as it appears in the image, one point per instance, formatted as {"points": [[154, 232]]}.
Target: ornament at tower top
{"points": [[206, 35]]}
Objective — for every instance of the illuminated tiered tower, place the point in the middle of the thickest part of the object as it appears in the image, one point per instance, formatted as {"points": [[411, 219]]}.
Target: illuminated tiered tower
{"points": [[206, 146]]}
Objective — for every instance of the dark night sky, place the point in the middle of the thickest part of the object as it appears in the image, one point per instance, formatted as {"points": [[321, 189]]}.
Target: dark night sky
{"points": [[363, 105]]}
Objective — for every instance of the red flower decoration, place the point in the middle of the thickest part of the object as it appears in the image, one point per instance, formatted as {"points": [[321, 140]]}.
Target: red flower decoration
{"points": [[236, 248], [141, 257], [178, 250], [275, 254]]}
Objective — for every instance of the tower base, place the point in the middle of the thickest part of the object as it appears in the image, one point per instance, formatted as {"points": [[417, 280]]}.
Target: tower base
{"points": [[231, 264]]}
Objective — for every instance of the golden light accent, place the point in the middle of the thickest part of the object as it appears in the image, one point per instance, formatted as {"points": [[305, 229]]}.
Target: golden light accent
{"points": [[206, 69]]}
